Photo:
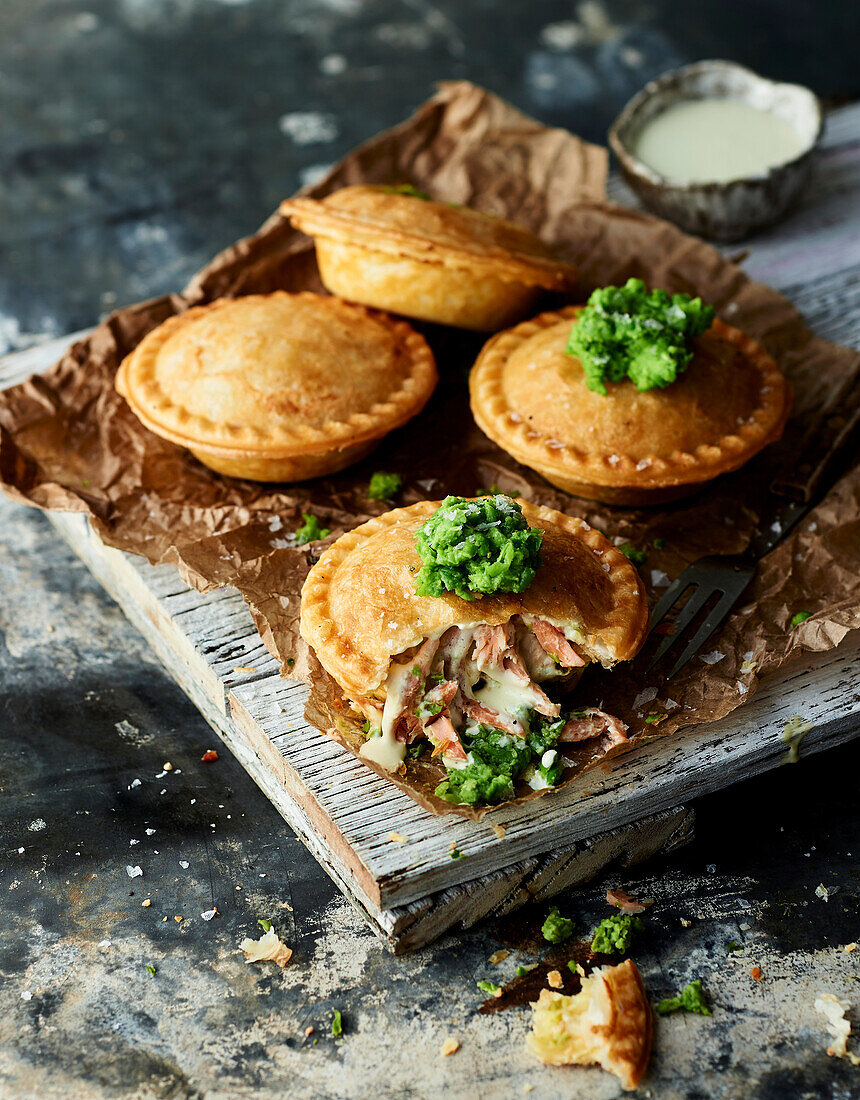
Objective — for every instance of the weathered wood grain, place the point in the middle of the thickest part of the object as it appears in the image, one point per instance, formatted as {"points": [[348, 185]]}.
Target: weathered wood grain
{"points": [[180, 625], [653, 777]]}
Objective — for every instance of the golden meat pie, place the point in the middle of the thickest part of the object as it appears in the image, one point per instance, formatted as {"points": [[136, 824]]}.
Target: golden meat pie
{"points": [[278, 387], [608, 1023], [628, 447], [446, 670], [425, 259]]}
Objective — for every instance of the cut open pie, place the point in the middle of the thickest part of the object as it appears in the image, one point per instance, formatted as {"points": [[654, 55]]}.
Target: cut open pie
{"points": [[400, 251], [628, 447], [278, 387], [471, 677], [608, 1023]]}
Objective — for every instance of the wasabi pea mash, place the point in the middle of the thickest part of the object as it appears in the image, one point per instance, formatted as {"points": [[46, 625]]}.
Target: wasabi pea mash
{"points": [[629, 332], [476, 548]]}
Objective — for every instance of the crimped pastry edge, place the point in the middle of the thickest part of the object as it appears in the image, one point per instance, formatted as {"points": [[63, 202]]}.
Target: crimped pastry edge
{"points": [[316, 219], [136, 383], [530, 447], [359, 676]]}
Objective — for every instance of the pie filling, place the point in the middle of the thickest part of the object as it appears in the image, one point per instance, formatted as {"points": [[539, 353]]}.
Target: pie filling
{"points": [[472, 696]]}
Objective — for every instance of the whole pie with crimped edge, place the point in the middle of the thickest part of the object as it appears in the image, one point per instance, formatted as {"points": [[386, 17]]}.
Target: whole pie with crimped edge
{"points": [[399, 250], [627, 447], [278, 387], [447, 669]]}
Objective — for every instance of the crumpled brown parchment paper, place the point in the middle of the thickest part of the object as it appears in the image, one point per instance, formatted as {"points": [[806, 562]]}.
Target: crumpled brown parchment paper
{"points": [[68, 441]]}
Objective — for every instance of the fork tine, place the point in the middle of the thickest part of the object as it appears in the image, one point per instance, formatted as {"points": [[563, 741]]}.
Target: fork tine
{"points": [[678, 586], [691, 608], [714, 619]]}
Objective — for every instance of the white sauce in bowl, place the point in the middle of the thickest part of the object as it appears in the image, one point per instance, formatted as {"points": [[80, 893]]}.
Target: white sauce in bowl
{"points": [[715, 140]]}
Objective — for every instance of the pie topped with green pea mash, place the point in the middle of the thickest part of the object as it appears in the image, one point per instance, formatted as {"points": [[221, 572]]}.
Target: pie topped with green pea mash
{"points": [[637, 397], [456, 631]]}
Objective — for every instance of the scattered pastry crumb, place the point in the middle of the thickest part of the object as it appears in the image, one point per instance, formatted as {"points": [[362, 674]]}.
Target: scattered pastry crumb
{"points": [[398, 838], [849, 947], [146, 903], [606, 1023], [833, 1010], [167, 767], [553, 979], [178, 920], [243, 668], [500, 831], [686, 923], [268, 948], [450, 1046], [498, 956]]}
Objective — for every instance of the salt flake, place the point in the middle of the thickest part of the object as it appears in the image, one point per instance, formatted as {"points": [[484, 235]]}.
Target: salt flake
{"points": [[644, 696]]}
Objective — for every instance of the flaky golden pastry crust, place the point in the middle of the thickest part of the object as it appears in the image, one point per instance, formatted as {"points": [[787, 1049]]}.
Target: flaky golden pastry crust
{"points": [[278, 386], [426, 259], [607, 1023], [627, 447], [360, 609]]}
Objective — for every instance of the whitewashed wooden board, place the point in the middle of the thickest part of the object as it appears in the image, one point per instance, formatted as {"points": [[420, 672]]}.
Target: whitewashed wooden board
{"points": [[412, 891]]}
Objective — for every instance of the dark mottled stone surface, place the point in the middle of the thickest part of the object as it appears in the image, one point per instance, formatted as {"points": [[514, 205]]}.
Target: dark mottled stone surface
{"points": [[137, 137]]}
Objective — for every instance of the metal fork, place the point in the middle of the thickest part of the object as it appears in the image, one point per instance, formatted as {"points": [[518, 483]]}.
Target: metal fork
{"points": [[791, 495]]}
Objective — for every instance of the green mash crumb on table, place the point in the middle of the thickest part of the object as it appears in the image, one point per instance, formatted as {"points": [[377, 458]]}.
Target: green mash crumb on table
{"points": [[632, 554], [613, 934], [692, 998], [311, 530], [556, 928], [477, 547], [384, 486], [629, 332]]}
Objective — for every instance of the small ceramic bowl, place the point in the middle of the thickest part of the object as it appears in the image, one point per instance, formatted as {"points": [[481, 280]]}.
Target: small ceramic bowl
{"points": [[734, 209]]}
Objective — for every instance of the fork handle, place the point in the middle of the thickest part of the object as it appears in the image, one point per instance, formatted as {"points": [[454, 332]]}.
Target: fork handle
{"points": [[777, 517], [795, 489], [809, 458]]}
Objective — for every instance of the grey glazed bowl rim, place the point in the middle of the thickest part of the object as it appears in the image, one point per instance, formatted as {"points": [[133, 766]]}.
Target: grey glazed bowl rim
{"points": [[680, 77]]}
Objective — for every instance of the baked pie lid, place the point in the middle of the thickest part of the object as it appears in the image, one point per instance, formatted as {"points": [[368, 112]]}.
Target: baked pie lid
{"points": [[360, 609], [277, 375], [531, 398], [434, 232]]}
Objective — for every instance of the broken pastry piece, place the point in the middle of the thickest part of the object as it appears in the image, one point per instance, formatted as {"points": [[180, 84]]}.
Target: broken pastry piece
{"points": [[460, 626], [638, 398], [396, 249], [608, 1023], [278, 387]]}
